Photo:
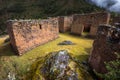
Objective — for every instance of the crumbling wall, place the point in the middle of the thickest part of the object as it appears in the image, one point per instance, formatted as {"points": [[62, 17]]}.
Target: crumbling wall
{"points": [[106, 44], [86, 21], [65, 23], [28, 34]]}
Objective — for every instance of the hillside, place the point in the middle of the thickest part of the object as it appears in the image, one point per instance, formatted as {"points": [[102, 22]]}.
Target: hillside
{"points": [[28, 9]]}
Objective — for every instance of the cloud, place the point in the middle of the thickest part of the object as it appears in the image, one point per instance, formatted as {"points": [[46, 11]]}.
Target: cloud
{"points": [[112, 5]]}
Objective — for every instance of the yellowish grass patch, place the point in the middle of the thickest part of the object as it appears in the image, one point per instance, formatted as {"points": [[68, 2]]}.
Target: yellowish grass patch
{"points": [[9, 62]]}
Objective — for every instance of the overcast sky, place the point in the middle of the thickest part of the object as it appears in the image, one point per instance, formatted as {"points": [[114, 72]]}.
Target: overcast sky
{"points": [[112, 5]]}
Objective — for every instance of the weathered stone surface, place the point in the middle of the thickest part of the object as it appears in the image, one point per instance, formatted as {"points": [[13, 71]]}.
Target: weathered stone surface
{"points": [[61, 23], [65, 23], [106, 44], [115, 20], [58, 66], [28, 34], [84, 22]]}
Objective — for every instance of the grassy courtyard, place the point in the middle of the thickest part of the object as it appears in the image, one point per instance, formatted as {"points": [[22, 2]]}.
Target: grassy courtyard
{"points": [[19, 65]]}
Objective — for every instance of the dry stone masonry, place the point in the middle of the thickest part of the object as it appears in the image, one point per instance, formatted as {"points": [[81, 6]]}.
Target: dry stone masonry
{"points": [[89, 22], [115, 20], [28, 34], [65, 23], [106, 44]]}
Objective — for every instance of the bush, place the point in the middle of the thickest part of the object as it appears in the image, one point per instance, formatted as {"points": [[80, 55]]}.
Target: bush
{"points": [[16, 8]]}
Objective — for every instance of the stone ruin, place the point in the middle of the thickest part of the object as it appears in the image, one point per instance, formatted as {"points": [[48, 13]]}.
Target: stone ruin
{"points": [[115, 20], [65, 23], [80, 23], [106, 44], [28, 34], [89, 22]]}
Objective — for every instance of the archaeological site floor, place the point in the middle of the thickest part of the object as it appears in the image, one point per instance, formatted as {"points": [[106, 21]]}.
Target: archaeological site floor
{"points": [[9, 62]]}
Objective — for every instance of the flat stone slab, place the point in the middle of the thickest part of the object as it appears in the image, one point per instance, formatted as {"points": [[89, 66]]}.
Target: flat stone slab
{"points": [[66, 42]]}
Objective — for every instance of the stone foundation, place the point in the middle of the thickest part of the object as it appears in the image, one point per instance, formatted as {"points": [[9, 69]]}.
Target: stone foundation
{"points": [[106, 44], [28, 34]]}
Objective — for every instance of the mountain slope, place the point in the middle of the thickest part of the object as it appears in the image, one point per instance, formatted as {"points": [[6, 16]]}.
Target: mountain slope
{"points": [[28, 9]]}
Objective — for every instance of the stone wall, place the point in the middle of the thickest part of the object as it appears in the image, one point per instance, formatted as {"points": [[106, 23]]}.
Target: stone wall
{"points": [[90, 21], [28, 34], [61, 23], [106, 44], [115, 20], [65, 23]]}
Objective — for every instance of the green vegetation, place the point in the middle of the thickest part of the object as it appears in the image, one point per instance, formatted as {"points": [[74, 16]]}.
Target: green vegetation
{"points": [[19, 65], [44, 68], [113, 68], [35, 9]]}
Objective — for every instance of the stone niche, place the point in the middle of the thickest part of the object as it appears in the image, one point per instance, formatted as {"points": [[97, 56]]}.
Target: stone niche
{"points": [[28, 34], [106, 44], [65, 23], [89, 22]]}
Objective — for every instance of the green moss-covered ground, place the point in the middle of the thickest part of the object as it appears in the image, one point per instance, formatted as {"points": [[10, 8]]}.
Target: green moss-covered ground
{"points": [[19, 65], [44, 68]]}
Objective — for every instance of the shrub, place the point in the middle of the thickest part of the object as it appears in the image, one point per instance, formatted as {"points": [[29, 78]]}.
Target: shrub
{"points": [[16, 8], [113, 68]]}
